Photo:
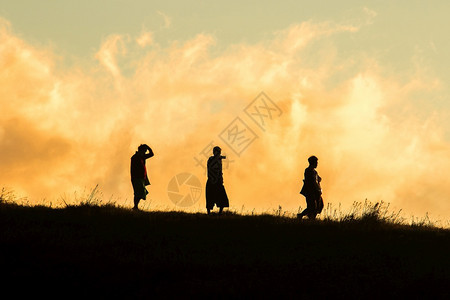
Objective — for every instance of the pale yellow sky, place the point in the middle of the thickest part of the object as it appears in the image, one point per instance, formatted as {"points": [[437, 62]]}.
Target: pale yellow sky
{"points": [[394, 32], [396, 27], [361, 84]]}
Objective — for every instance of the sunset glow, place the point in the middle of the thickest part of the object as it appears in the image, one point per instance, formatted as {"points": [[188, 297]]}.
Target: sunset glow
{"points": [[369, 99]]}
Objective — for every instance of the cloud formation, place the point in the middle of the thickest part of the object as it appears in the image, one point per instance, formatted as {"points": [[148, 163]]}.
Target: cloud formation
{"points": [[67, 128]]}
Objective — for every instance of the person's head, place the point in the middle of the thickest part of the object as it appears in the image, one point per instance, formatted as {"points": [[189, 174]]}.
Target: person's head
{"points": [[313, 161], [217, 150], [142, 148]]}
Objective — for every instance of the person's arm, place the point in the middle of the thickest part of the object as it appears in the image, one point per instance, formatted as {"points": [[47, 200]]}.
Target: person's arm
{"points": [[150, 153], [317, 183], [311, 181], [309, 177]]}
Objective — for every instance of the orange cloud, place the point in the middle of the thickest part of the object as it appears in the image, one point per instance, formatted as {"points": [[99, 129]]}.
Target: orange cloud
{"points": [[65, 129]]}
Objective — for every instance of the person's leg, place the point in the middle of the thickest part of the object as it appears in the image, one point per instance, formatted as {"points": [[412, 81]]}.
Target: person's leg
{"points": [[303, 213], [309, 208], [136, 203], [315, 209], [220, 210], [140, 191], [311, 205], [209, 196]]}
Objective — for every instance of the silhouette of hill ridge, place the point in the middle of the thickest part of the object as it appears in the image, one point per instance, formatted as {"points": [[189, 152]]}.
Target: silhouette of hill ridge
{"points": [[91, 250]]}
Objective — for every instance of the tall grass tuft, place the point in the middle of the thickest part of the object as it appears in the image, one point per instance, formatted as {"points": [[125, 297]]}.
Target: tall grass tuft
{"points": [[364, 212], [7, 196], [373, 213], [92, 198]]}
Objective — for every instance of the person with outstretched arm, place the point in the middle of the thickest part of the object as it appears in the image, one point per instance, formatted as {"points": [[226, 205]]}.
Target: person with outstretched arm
{"points": [[215, 191], [138, 170]]}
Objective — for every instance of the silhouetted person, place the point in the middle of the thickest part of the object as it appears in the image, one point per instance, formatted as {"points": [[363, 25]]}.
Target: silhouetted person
{"points": [[139, 178], [215, 191], [311, 190]]}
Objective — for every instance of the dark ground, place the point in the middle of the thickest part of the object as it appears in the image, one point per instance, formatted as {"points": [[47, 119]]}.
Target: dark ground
{"points": [[109, 252]]}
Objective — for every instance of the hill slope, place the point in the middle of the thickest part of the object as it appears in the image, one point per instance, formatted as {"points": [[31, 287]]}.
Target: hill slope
{"points": [[109, 251]]}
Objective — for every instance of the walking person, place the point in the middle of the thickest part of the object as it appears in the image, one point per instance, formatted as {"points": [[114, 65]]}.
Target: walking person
{"points": [[215, 191], [311, 190], [139, 178]]}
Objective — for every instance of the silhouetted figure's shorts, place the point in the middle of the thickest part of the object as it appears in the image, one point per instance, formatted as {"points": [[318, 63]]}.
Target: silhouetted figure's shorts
{"points": [[314, 204], [140, 192], [216, 194], [319, 205]]}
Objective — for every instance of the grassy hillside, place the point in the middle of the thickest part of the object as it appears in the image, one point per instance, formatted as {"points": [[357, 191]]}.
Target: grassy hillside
{"points": [[107, 251]]}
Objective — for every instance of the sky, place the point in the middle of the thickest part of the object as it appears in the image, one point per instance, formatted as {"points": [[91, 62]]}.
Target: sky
{"points": [[363, 85]]}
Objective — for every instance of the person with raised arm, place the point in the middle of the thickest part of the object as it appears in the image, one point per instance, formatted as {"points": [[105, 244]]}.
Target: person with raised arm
{"points": [[138, 170]]}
